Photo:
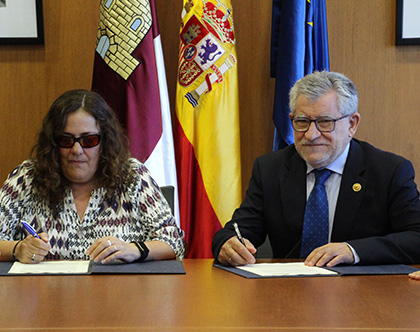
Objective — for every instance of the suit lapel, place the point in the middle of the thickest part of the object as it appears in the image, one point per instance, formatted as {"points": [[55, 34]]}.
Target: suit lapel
{"points": [[352, 189], [293, 193]]}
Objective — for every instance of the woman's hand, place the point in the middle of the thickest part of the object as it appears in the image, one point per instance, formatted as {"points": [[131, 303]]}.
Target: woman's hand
{"points": [[109, 249], [32, 250]]}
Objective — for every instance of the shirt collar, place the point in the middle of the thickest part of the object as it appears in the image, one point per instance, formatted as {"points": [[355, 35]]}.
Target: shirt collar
{"points": [[337, 166]]}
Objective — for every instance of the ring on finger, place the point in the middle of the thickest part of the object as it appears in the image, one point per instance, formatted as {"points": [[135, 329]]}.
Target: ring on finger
{"points": [[115, 248], [33, 257], [109, 243]]}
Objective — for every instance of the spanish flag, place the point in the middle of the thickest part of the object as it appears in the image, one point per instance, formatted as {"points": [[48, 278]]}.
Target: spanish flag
{"points": [[207, 140]]}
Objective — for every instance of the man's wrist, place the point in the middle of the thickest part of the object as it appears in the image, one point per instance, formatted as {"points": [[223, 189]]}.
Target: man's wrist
{"points": [[355, 255]]}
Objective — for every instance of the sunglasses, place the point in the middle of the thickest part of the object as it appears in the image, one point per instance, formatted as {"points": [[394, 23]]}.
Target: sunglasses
{"points": [[86, 142]]}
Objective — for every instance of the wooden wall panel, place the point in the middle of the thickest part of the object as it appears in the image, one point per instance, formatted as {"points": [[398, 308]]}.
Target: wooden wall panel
{"points": [[361, 39], [362, 46], [32, 76], [256, 88]]}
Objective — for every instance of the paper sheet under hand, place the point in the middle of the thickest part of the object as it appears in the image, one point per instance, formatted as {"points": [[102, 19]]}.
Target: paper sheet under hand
{"points": [[285, 269], [51, 267]]}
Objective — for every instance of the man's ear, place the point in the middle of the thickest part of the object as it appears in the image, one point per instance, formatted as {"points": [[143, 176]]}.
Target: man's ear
{"points": [[354, 120]]}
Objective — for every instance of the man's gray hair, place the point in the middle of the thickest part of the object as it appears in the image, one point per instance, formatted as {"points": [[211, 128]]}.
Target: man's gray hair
{"points": [[319, 83]]}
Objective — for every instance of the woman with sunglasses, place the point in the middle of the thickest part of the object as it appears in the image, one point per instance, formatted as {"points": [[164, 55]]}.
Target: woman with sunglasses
{"points": [[83, 195]]}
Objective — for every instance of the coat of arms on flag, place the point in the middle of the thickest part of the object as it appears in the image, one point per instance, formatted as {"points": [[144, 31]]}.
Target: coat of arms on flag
{"points": [[202, 45]]}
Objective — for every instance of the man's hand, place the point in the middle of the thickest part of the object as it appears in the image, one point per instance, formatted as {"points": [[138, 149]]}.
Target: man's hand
{"points": [[415, 275], [330, 255], [234, 253]]}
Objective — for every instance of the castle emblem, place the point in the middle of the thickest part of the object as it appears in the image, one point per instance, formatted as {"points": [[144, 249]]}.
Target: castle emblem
{"points": [[121, 30]]}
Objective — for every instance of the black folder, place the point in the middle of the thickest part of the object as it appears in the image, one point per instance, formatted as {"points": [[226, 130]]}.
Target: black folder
{"points": [[348, 270], [152, 267]]}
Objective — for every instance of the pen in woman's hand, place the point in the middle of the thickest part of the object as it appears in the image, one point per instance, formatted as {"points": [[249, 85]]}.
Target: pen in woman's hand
{"points": [[238, 234], [33, 232]]}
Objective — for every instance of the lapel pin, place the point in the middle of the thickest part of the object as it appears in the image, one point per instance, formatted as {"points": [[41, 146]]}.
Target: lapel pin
{"points": [[357, 187]]}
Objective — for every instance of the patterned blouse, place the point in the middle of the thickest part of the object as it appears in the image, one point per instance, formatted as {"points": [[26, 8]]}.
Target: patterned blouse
{"points": [[140, 213]]}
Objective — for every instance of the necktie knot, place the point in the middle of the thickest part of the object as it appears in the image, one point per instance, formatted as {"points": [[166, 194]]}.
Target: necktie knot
{"points": [[321, 176]]}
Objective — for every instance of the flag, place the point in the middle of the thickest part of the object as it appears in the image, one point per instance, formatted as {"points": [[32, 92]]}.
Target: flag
{"points": [[129, 73], [207, 141], [299, 46]]}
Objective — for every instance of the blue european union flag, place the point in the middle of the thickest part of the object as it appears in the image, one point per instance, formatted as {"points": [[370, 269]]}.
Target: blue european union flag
{"points": [[299, 46]]}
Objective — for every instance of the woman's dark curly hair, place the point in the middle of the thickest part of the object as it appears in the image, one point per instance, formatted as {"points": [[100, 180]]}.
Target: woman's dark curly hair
{"points": [[113, 171]]}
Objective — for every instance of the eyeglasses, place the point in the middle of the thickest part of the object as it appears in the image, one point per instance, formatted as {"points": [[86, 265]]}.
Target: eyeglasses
{"points": [[86, 141], [324, 125]]}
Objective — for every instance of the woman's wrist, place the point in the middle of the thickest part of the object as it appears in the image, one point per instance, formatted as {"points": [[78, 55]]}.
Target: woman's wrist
{"points": [[15, 250], [143, 249]]}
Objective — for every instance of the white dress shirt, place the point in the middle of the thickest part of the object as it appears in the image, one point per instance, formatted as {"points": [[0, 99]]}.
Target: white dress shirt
{"points": [[332, 186]]}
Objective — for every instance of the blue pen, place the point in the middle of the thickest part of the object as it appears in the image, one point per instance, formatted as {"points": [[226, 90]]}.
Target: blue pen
{"points": [[31, 230]]}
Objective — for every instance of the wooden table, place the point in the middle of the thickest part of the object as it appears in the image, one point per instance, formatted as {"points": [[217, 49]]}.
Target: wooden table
{"points": [[208, 299]]}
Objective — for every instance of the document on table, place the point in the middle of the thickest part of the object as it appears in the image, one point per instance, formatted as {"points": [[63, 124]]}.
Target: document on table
{"points": [[51, 267], [286, 270]]}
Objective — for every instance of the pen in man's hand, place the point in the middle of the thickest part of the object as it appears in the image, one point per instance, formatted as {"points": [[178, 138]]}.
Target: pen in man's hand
{"points": [[33, 232], [238, 234]]}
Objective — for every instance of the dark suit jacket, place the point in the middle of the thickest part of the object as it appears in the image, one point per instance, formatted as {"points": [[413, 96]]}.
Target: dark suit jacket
{"points": [[381, 221]]}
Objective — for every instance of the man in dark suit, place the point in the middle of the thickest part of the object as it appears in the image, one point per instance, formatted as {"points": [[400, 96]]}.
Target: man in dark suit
{"points": [[373, 212]]}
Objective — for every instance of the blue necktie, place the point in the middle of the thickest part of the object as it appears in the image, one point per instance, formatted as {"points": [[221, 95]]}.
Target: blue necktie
{"points": [[315, 223]]}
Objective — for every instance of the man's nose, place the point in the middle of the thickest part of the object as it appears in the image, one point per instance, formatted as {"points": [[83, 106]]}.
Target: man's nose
{"points": [[312, 132]]}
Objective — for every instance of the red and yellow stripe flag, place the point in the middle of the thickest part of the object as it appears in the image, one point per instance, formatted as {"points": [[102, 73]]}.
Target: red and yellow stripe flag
{"points": [[207, 141]]}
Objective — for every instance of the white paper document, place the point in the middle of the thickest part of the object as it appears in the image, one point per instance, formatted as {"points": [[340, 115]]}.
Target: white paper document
{"points": [[285, 269], [51, 267]]}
